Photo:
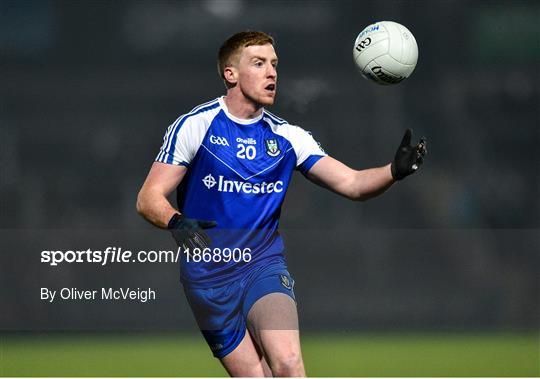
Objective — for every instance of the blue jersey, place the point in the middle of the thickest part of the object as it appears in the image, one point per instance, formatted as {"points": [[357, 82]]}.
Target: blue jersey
{"points": [[238, 174]]}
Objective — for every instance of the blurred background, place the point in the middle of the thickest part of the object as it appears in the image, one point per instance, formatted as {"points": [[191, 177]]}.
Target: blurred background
{"points": [[89, 88]]}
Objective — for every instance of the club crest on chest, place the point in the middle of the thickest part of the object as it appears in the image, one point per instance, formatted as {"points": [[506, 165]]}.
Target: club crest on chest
{"points": [[272, 147]]}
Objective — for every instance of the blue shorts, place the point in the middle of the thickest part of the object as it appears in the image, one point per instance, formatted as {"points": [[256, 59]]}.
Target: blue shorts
{"points": [[221, 312]]}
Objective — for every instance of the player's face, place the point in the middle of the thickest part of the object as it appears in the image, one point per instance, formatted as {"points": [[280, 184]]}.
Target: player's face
{"points": [[257, 74]]}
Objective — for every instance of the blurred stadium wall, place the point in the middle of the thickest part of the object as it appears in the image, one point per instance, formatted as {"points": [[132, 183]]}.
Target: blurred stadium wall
{"points": [[89, 88]]}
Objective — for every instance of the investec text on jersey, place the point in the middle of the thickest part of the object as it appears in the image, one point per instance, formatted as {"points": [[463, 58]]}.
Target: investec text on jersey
{"points": [[237, 186]]}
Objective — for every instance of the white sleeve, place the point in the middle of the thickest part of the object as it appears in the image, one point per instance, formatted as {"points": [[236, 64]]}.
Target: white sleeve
{"points": [[304, 145], [307, 150], [182, 140]]}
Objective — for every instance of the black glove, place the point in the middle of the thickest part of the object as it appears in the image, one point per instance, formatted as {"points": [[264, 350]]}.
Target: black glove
{"points": [[408, 158], [188, 233]]}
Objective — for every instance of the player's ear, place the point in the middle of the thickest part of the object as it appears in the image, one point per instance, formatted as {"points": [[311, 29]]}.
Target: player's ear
{"points": [[231, 75]]}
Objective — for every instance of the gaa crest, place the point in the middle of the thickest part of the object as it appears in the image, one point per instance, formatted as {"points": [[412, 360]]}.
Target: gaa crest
{"points": [[272, 147]]}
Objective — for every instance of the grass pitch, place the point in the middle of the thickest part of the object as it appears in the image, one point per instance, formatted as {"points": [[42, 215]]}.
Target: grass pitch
{"points": [[86, 354]]}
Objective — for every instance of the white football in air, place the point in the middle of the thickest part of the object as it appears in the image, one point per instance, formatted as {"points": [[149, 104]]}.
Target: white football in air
{"points": [[385, 52]]}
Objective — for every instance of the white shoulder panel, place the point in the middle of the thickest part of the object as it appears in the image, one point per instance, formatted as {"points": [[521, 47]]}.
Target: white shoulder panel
{"points": [[185, 135], [302, 141]]}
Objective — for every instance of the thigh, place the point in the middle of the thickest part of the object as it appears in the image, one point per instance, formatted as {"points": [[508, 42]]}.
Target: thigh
{"points": [[273, 323], [246, 360]]}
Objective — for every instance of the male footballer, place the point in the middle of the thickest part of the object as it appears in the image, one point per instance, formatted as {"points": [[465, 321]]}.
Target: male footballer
{"points": [[231, 161]]}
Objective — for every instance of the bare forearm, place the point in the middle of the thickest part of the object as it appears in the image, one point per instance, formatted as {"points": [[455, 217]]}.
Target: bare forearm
{"points": [[370, 183], [353, 184], [155, 208], [365, 184]]}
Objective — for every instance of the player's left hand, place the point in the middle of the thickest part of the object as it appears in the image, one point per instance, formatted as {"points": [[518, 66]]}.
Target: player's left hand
{"points": [[189, 233], [408, 158]]}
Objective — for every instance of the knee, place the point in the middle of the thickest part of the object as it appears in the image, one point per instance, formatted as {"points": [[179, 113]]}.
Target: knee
{"points": [[290, 365]]}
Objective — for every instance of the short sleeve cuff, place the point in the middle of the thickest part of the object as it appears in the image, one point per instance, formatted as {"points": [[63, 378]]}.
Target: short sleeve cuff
{"points": [[169, 159], [308, 163], [176, 163]]}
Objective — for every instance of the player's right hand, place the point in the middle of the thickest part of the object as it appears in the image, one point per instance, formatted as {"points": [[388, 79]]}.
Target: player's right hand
{"points": [[408, 158], [189, 233]]}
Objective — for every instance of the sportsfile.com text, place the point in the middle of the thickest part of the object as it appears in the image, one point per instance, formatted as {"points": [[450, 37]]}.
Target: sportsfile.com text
{"points": [[119, 255]]}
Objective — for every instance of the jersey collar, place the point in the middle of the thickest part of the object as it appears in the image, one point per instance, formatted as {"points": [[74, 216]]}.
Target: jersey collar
{"points": [[242, 121]]}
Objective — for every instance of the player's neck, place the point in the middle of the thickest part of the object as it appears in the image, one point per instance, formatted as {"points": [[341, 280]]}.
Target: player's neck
{"points": [[241, 107]]}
